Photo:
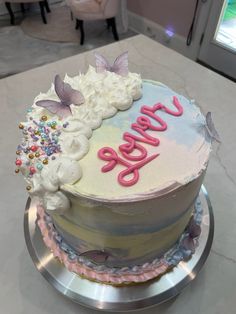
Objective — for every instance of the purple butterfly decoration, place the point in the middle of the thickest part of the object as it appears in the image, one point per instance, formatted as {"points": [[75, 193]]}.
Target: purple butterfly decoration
{"points": [[96, 256], [194, 229], [188, 244], [67, 96], [120, 65], [194, 232], [210, 128]]}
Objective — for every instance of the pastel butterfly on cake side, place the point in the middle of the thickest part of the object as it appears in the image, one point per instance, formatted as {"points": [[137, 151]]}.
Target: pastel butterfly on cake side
{"points": [[96, 256], [210, 128], [67, 96]]}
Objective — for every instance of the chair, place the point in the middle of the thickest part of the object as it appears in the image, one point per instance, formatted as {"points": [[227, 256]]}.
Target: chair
{"points": [[87, 10], [42, 4]]}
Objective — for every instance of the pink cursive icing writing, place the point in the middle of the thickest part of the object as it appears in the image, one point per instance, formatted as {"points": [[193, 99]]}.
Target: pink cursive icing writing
{"points": [[110, 155], [130, 175]]}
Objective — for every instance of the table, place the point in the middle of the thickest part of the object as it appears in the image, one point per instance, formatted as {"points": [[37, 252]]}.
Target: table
{"points": [[22, 288]]}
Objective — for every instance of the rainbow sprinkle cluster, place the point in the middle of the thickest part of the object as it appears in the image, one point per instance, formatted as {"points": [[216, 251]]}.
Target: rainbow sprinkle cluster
{"points": [[39, 145]]}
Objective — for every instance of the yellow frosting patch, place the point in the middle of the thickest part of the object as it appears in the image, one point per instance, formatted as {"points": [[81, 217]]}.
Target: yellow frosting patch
{"points": [[137, 245]]}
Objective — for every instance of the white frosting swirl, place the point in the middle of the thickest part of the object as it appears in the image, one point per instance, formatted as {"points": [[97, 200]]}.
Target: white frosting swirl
{"points": [[45, 185], [73, 146], [56, 201], [77, 127], [104, 94]]}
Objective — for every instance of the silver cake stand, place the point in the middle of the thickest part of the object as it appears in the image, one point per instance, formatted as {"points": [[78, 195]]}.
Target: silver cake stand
{"points": [[110, 298]]}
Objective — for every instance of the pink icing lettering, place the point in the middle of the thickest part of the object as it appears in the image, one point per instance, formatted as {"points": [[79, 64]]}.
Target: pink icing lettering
{"points": [[142, 125], [127, 149], [178, 107], [150, 111], [148, 139], [110, 155], [145, 123]]}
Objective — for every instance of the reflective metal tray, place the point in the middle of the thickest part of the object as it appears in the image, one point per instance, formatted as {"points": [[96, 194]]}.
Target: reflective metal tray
{"points": [[109, 298]]}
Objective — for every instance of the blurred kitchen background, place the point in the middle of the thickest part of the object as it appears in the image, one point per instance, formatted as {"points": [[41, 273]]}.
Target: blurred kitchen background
{"points": [[39, 32]]}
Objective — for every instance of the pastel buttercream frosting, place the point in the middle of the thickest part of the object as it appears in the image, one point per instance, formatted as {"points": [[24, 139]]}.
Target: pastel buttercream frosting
{"points": [[182, 150], [52, 147], [116, 164], [181, 251]]}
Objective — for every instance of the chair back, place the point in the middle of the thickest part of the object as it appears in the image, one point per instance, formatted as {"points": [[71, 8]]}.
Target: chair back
{"points": [[110, 7]]}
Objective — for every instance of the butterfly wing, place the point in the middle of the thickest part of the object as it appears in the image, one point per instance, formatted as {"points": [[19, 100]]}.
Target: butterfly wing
{"points": [[66, 93], [211, 128], [96, 256], [101, 63], [50, 105], [120, 65], [194, 229], [75, 97], [55, 107], [188, 244]]}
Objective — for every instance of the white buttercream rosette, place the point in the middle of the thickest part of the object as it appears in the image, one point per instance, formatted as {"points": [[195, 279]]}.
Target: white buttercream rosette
{"points": [[104, 94], [46, 184]]}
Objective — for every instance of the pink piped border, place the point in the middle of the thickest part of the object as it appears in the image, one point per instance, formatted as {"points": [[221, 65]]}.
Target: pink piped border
{"points": [[148, 271]]}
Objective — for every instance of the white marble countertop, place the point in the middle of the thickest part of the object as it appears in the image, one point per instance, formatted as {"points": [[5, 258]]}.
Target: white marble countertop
{"points": [[22, 288]]}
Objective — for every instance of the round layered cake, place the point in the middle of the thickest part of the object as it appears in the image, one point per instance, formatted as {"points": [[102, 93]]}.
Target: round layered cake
{"points": [[116, 165]]}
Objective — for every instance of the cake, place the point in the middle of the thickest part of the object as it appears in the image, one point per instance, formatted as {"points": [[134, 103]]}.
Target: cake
{"points": [[116, 164]]}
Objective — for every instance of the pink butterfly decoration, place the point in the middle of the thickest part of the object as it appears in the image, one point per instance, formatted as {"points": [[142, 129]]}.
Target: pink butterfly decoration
{"points": [[67, 96], [210, 128], [120, 65]]}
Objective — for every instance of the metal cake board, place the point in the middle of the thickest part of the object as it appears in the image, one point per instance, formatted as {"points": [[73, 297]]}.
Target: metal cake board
{"points": [[109, 298]]}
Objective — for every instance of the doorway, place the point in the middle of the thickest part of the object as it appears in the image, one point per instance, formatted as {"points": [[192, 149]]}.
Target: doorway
{"points": [[218, 48]]}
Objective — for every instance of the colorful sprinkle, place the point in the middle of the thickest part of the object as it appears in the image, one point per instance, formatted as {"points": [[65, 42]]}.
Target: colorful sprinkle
{"points": [[44, 118], [21, 126], [18, 162], [65, 124], [44, 136], [34, 148], [17, 170], [32, 170], [45, 161], [39, 166], [40, 142]]}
